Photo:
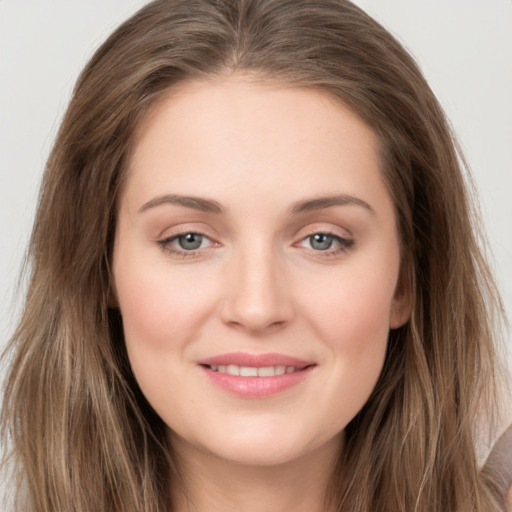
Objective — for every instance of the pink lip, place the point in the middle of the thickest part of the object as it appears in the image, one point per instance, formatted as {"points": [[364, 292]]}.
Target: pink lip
{"points": [[256, 387], [255, 360]]}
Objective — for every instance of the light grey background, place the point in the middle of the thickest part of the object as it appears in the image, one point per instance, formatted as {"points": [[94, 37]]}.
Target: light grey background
{"points": [[463, 46]]}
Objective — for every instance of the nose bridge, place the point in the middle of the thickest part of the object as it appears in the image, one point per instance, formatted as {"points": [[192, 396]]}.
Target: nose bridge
{"points": [[257, 297]]}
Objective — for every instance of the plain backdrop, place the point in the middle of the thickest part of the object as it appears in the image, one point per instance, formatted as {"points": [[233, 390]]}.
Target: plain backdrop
{"points": [[463, 46]]}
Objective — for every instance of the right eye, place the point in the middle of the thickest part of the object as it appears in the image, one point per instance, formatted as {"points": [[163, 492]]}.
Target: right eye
{"points": [[190, 241], [185, 244]]}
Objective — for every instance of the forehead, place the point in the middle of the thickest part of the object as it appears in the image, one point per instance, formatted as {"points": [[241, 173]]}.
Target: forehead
{"points": [[210, 136]]}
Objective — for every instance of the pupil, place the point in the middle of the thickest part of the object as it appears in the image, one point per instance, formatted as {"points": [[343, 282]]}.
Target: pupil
{"points": [[321, 242], [190, 241]]}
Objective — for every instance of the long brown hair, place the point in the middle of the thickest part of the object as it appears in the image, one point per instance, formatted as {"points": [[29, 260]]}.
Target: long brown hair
{"points": [[83, 437]]}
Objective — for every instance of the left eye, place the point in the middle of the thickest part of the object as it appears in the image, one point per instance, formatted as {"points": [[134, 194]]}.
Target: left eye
{"points": [[325, 241], [320, 241]]}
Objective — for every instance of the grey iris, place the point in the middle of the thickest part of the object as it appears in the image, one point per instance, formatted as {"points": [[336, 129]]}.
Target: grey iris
{"points": [[190, 241], [321, 242]]}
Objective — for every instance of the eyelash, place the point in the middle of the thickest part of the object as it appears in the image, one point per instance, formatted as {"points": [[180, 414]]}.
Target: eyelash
{"points": [[344, 244], [166, 244]]}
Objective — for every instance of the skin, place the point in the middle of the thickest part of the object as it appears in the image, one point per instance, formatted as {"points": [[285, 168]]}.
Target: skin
{"points": [[257, 284]]}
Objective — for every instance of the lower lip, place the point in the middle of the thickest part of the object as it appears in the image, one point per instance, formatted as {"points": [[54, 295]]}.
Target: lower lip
{"points": [[257, 387]]}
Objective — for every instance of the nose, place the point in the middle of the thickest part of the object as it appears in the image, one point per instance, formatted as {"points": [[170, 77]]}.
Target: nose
{"points": [[258, 297]]}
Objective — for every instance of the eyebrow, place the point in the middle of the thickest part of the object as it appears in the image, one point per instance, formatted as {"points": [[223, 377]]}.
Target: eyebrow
{"points": [[210, 206], [195, 203], [320, 203]]}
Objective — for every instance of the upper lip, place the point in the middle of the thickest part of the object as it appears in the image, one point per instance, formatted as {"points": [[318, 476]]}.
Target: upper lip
{"points": [[255, 360]]}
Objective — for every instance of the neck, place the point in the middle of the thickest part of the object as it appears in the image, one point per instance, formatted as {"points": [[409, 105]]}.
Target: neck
{"points": [[211, 484]]}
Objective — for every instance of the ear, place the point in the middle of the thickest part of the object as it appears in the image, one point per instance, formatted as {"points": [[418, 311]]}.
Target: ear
{"points": [[401, 305]]}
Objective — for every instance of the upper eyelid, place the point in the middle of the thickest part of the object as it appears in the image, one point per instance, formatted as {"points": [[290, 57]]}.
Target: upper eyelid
{"points": [[346, 241], [299, 234], [183, 229], [182, 233], [333, 231], [174, 236]]}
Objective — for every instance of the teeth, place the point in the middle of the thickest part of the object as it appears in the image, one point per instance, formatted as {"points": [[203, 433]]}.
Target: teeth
{"points": [[266, 371], [250, 371], [281, 370], [233, 369], [247, 371]]}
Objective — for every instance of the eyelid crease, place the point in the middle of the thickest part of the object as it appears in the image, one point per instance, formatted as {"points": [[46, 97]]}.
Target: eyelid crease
{"points": [[175, 236], [345, 242], [320, 228]]}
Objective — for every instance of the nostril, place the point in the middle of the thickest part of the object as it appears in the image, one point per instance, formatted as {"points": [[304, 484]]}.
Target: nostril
{"points": [[257, 326]]}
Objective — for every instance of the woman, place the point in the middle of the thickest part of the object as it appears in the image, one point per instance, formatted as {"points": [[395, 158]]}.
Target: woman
{"points": [[255, 281]]}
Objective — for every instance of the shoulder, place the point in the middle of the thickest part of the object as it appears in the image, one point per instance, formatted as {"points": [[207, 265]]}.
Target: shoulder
{"points": [[498, 468]]}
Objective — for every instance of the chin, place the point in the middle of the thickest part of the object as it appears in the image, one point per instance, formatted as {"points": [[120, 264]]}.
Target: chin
{"points": [[258, 454], [259, 445]]}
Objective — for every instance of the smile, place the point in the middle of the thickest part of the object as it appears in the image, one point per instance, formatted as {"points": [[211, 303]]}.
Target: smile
{"points": [[252, 371], [255, 376]]}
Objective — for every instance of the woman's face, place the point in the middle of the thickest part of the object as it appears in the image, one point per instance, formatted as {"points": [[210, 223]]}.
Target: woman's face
{"points": [[256, 263]]}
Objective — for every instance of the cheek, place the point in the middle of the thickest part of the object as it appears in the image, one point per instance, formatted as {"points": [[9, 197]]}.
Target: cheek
{"points": [[148, 312], [352, 320], [355, 314], [147, 308], [359, 352], [162, 313], [158, 306]]}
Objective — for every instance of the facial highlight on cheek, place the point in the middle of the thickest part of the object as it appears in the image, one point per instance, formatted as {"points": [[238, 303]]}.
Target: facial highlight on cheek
{"points": [[256, 282]]}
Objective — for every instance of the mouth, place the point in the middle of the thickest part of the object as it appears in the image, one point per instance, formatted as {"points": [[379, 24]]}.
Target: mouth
{"points": [[256, 376], [254, 371]]}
